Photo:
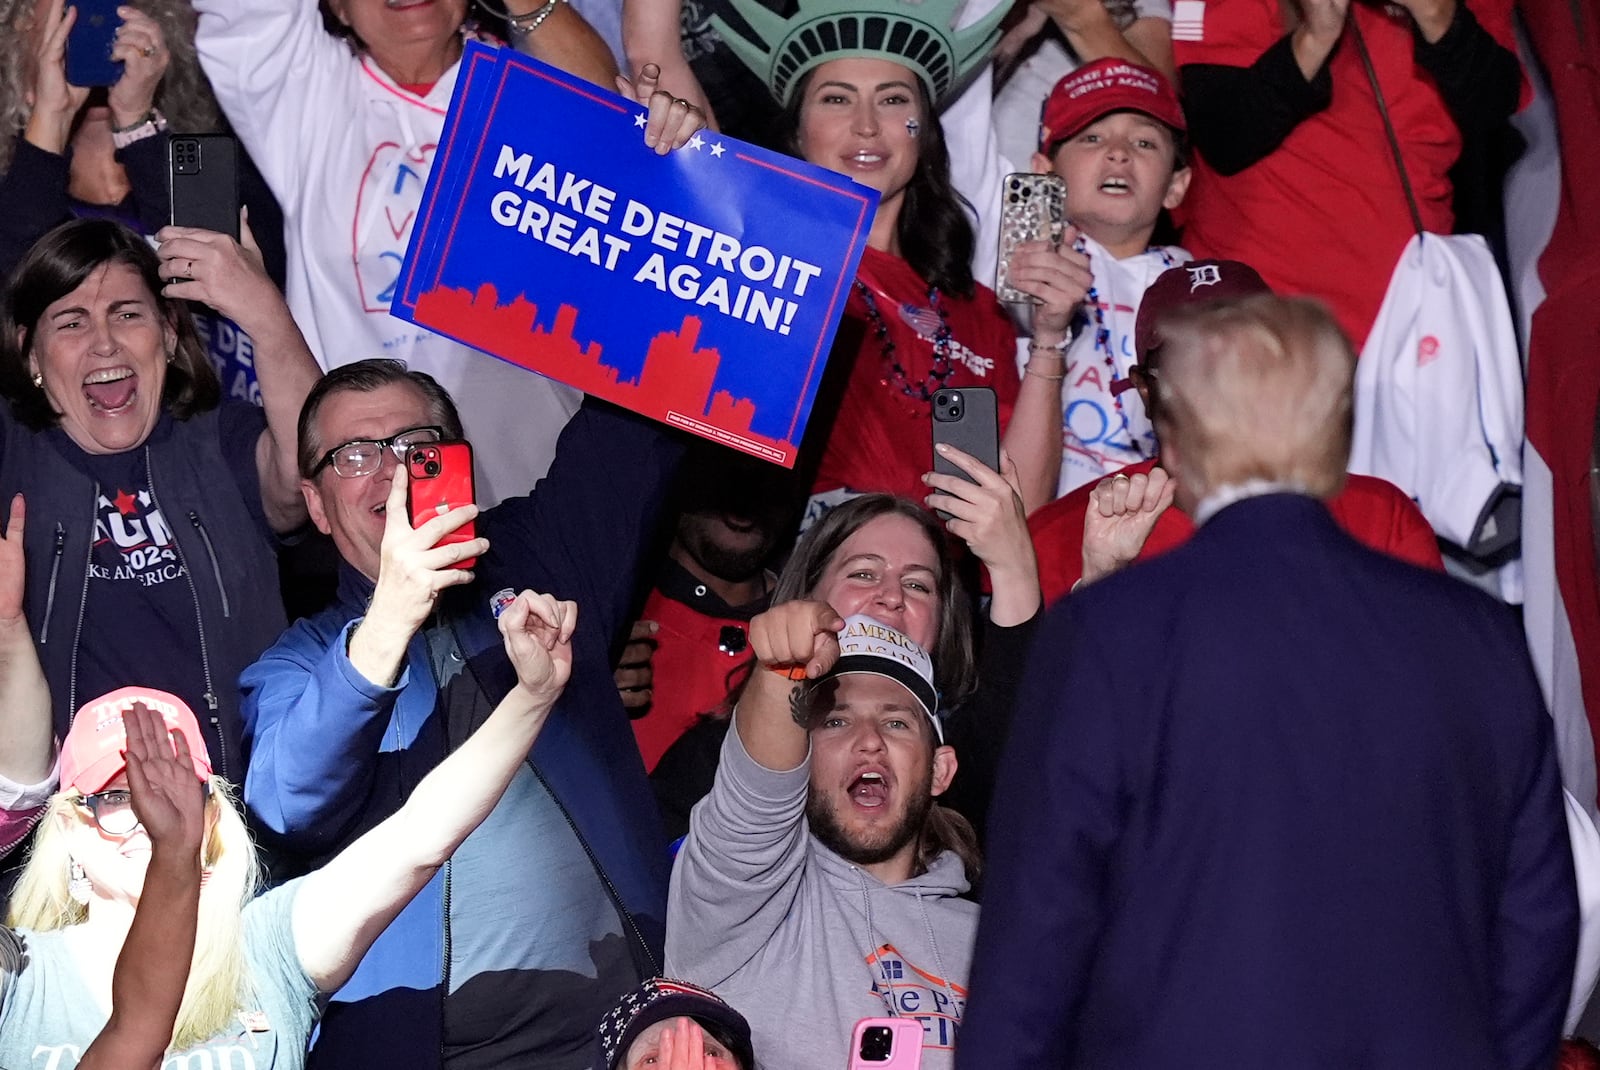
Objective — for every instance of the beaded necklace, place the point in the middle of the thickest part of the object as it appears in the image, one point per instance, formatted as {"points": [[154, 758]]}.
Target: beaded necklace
{"points": [[942, 364], [1102, 339]]}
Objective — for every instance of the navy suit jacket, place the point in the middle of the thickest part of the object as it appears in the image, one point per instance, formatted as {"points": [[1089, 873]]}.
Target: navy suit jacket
{"points": [[1276, 800]]}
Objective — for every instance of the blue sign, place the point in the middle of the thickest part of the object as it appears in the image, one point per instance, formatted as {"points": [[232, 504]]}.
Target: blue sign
{"points": [[702, 288]]}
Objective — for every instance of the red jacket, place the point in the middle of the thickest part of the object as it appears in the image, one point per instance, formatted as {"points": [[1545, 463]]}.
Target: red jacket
{"points": [[1371, 510]]}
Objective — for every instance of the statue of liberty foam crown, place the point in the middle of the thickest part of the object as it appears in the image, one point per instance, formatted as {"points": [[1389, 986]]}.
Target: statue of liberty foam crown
{"points": [[916, 33]]}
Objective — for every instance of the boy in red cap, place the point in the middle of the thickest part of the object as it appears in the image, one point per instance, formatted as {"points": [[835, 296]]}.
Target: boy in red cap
{"points": [[1114, 132]]}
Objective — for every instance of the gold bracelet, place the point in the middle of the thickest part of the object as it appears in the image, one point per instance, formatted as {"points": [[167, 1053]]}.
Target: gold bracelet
{"points": [[1028, 370]]}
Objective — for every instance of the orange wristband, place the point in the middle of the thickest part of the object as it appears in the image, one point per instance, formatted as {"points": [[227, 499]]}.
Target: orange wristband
{"points": [[789, 672]]}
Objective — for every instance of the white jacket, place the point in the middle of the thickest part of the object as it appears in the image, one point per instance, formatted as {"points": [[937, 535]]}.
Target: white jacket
{"points": [[1438, 405], [347, 152]]}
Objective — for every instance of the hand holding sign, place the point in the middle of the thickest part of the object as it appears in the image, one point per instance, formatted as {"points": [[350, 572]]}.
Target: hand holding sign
{"points": [[672, 121]]}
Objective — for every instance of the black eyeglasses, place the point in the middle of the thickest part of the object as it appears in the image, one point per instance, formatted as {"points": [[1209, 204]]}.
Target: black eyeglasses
{"points": [[113, 810], [364, 456]]}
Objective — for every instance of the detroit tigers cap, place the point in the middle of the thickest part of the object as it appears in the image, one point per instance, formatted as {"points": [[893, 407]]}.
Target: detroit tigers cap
{"points": [[1194, 283], [1100, 88]]}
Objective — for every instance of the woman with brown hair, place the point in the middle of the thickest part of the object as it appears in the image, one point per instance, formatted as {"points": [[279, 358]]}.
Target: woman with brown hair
{"points": [[151, 507]]}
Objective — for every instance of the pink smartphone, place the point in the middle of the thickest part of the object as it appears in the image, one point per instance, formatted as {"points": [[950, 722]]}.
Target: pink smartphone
{"points": [[886, 1044]]}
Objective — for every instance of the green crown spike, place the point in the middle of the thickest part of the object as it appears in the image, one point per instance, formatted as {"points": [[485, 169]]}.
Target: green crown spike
{"points": [[916, 33]]}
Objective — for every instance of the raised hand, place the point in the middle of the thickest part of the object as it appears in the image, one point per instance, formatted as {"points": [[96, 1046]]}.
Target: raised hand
{"points": [[683, 1046], [1123, 510], [1321, 26], [987, 514], [1058, 276], [413, 568], [634, 673], [673, 120], [13, 564], [795, 634], [212, 268], [142, 48], [537, 630], [54, 102], [165, 793]]}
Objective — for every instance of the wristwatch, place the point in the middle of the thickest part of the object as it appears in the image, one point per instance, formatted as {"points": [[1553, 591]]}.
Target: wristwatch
{"points": [[152, 124]]}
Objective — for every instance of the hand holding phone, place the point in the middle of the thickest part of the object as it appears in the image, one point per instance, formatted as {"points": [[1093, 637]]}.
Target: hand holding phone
{"points": [[440, 479], [886, 1044], [969, 420], [1032, 207]]}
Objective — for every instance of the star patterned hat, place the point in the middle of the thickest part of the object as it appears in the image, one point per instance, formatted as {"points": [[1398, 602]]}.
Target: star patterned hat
{"points": [[917, 33], [661, 998]]}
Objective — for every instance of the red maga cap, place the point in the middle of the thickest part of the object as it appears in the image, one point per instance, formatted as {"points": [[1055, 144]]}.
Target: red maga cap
{"points": [[1197, 282], [1097, 89], [96, 747]]}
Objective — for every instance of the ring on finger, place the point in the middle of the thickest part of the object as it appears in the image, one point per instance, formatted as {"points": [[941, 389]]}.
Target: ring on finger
{"points": [[148, 51]]}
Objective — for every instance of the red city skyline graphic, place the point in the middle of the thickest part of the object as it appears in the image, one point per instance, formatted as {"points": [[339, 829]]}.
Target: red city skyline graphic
{"points": [[676, 384]]}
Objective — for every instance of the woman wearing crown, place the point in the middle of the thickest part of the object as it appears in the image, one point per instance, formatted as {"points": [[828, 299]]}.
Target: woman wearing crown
{"points": [[858, 81]]}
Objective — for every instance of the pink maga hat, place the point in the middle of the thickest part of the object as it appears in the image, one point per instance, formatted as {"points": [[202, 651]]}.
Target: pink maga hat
{"points": [[96, 747]]}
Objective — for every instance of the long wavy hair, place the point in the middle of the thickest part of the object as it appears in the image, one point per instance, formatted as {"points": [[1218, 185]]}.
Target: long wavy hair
{"points": [[184, 95], [954, 662], [934, 229], [59, 263], [219, 976]]}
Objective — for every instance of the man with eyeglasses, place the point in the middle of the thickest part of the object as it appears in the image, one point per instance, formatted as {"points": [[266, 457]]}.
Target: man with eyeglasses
{"points": [[553, 909]]}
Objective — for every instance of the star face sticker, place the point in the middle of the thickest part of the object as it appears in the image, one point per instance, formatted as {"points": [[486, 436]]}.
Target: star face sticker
{"points": [[640, 119], [717, 149], [696, 143]]}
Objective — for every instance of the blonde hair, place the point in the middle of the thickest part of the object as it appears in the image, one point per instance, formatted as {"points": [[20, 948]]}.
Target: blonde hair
{"points": [[184, 96], [1256, 389], [219, 976]]}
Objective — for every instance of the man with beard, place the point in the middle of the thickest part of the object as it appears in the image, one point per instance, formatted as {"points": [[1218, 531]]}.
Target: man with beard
{"points": [[819, 883], [691, 641]]}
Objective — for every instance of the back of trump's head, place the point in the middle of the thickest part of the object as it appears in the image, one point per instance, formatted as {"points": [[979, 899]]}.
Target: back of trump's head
{"points": [[1254, 390]]}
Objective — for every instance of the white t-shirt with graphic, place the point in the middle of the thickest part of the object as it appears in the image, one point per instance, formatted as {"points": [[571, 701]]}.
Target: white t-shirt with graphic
{"points": [[1103, 423], [49, 1017]]}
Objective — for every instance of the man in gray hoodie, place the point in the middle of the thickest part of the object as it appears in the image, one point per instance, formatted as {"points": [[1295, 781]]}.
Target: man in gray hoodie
{"points": [[819, 882]]}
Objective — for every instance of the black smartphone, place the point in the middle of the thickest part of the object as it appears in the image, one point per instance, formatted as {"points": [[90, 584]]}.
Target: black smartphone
{"points": [[203, 178], [968, 419], [89, 45]]}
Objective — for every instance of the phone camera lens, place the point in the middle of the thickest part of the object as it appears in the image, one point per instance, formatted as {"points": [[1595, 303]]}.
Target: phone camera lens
{"points": [[432, 468], [877, 1044], [941, 399], [955, 412]]}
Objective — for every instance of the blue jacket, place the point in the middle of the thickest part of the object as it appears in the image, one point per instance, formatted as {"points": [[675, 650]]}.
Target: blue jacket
{"points": [[330, 754], [1273, 800]]}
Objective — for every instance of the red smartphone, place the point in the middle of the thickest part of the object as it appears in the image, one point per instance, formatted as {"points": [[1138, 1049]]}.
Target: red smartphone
{"points": [[886, 1044], [441, 480]]}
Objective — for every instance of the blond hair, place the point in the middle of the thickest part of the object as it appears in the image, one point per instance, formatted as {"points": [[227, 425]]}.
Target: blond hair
{"points": [[1258, 389], [219, 976]]}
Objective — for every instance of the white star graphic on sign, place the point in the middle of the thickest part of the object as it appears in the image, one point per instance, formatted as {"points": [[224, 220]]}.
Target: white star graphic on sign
{"points": [[717, 149], [640, 119], [695, 143]]}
